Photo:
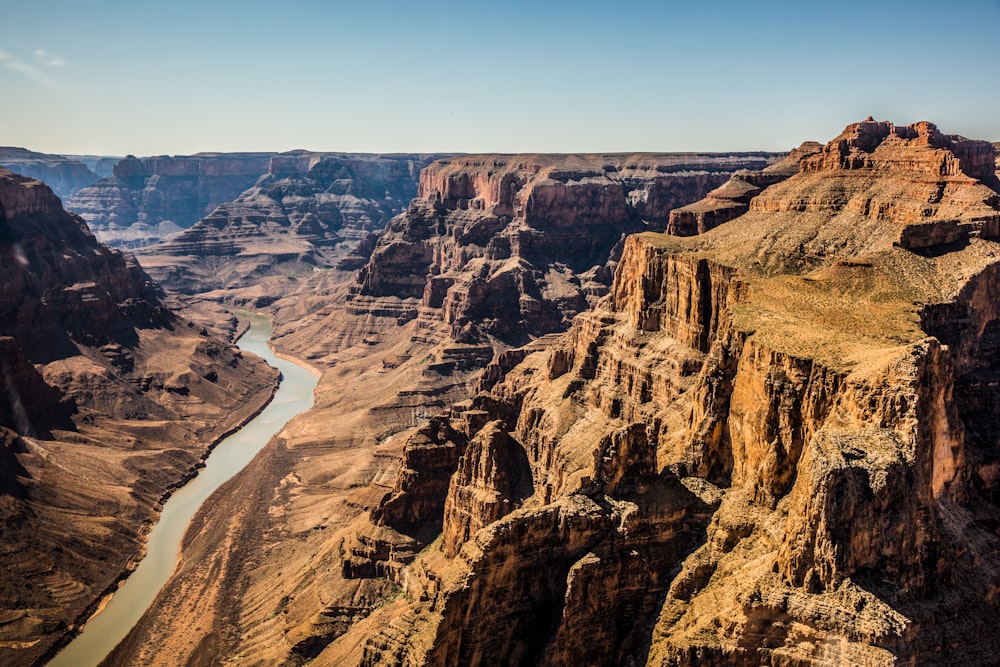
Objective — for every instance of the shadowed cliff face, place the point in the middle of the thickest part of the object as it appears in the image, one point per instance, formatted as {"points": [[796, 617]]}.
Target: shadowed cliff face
{"points": [[305, 214], [64, 175], [774, 441], [771, 442], [392, 360], [107, 400], [148, 199]]}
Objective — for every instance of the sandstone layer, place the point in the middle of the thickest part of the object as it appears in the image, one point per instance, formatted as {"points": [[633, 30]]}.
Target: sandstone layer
{"points": [[148, 199], [65, 175], [512, 247], [107, 401]]}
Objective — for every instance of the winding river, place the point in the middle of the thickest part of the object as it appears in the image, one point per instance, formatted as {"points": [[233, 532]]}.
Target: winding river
{"points": [[295, 394]]}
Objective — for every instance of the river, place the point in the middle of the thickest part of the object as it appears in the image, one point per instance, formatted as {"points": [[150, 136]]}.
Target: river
{"points": [[295, 394]]}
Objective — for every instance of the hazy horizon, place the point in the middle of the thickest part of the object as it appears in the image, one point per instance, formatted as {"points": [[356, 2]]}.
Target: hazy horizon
{"points": [[448, 77]]}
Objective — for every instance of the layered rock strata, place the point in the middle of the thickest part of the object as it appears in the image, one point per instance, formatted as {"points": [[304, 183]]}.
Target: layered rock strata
{"points": [[311, 563], [772, 443], [732, 198], [107, 401], [511, 247], [148, 199], [309, 212], [65, 175]]}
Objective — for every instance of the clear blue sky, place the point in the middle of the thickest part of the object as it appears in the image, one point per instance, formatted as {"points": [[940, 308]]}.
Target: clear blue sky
{"points": [[116, 77]]}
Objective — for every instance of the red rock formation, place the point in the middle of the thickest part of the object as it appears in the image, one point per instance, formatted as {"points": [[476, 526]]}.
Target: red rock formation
{"points": [[732, 199], [772, 442], [514, 246]]}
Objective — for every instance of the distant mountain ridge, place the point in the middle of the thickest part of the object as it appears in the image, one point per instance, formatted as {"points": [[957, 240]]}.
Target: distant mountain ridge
{"points": [[65, 175], [309, 211], [151, 198]]}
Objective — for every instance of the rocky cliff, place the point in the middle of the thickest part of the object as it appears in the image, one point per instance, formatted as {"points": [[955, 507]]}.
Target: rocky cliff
{"points": [[307, 213], [732, 198], [772, 443], [107, 401], [65, 175], [102, 165], [148, 199], [306, 562], [511, 247]]}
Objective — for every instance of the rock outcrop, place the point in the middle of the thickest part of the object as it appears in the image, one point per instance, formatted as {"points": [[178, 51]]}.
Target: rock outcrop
{"points": [[389, 362], [65, 175], [102, 165], [307, 213], [772, 443], [512, 247], [148, 199], [107, 401], [732, 198]]}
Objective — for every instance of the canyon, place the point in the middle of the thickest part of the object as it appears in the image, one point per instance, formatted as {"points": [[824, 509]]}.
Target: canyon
{"points": [[308, 213], [391, 357], [148, 199], [108, 401], [770, 441], [651, 408]]}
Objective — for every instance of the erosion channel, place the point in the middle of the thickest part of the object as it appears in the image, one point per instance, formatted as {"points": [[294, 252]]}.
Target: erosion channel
{"points": [[295, 394]]}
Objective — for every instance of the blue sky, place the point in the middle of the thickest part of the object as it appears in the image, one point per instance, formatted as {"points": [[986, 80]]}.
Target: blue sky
{"points": [[139, 77]]}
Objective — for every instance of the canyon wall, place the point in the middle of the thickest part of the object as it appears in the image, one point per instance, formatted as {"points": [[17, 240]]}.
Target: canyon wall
{"points": [[108, 400], [771, 443], [398, 341], [512, 247], [307, 213], [147, 199], [65, 175]]}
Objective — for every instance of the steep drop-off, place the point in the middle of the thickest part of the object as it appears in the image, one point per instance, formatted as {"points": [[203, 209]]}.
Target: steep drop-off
{"points": [[107, 401], [148, 199], [773, 443]]}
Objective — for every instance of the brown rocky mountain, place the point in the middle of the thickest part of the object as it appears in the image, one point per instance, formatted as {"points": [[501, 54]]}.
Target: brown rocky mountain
{"points": [[147, 199], [107, 401], [65, 175], [389, 360], [732, 198], [306, 214], [774, 442], [511, 247]]}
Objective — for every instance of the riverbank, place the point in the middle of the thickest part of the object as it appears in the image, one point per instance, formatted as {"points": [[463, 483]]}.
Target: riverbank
{"points": [[105, 629]]}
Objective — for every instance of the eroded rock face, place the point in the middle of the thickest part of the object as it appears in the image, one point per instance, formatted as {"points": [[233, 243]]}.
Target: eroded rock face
{"points": [[512, 247], [306, 213], [65, 175], [148, 199], [771, 443], [107, 401]]}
